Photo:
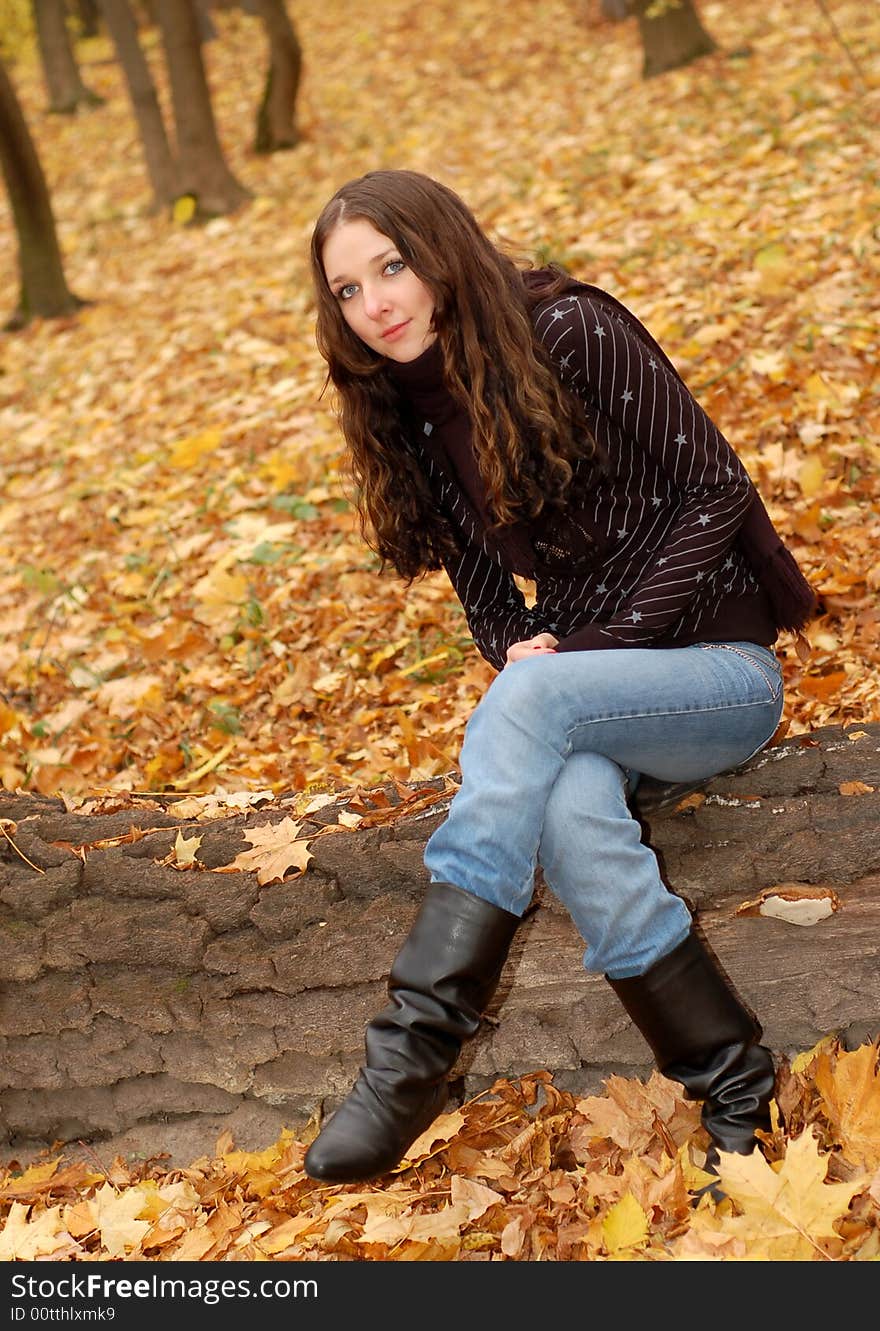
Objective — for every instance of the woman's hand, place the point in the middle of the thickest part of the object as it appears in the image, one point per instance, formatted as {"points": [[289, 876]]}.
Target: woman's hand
{"points": [[541, 645]]}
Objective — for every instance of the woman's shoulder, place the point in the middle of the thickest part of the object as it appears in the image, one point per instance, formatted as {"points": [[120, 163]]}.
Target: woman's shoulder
{"points": [[553, 292], [592, 309]]}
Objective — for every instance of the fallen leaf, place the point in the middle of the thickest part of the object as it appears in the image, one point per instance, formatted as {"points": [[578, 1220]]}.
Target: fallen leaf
{"points": [[625, 1225], [183, 854], [277, 848], [849, 1084], [26, 1240], [789, 1210], [117, 1218]]}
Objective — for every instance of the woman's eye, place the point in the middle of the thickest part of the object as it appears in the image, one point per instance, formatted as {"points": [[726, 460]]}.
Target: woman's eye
{"points": [[346, 292], [394, 266]]}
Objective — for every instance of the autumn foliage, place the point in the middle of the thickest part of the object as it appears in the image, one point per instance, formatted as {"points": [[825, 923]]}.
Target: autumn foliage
{"points": [[187, 605], [522, 1173]]}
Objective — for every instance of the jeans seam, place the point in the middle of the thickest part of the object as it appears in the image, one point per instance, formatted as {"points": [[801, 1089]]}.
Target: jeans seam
{"points": [[681, 711], [726, 647]]}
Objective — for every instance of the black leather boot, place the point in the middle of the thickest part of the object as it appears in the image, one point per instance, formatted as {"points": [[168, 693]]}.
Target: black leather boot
{"points": [[703, 1037], [442, 979]]}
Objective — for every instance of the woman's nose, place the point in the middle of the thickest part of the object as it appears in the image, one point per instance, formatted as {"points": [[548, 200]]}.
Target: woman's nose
{"points": [[375, 303]]}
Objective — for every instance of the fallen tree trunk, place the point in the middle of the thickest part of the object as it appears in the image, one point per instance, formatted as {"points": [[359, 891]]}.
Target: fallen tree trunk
{"points": [[155, 993]]}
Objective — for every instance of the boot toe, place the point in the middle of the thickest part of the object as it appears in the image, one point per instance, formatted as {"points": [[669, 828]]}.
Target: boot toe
{"points": [[356, 1144], [339, 1162]]}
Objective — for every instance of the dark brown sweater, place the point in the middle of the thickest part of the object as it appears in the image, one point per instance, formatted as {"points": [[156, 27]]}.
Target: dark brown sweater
{"points": [[653, 557]]}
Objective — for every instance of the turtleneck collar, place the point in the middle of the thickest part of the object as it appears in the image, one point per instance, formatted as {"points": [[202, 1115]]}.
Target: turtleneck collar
{"points": [[421, 382]]}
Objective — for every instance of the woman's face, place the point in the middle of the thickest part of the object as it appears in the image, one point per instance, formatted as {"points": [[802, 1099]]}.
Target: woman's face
{"points": [[382, 300]]}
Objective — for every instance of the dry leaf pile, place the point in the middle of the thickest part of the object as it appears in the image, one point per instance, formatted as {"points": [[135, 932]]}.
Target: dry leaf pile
{"points": [[186, 600], [523, 1173]]}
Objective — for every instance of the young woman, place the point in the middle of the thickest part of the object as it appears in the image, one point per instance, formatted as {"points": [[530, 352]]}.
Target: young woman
{"points": [[503, 422]]}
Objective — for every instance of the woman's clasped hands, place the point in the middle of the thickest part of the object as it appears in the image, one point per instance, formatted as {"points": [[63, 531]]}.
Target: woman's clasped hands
{"points": [[542, 644]]}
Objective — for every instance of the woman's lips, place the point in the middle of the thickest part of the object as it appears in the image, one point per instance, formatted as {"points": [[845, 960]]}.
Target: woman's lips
{"points": [[391, 333]]}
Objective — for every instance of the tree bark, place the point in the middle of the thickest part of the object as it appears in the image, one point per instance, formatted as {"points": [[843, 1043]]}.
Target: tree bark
{"points": [[204, 172], [672, 35], [616, 11], [276, 117], [88, 17], [61, 72], [148, 1008], [43, 287], [160, 163]]}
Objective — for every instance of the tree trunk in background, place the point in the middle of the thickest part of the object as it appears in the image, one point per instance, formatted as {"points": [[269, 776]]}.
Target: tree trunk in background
{"points": [[145, 14], [672, 35], [88, 17], [204, 172], [161, 166], [60, 70], [207, 31], [44, 289], [276, 118]]}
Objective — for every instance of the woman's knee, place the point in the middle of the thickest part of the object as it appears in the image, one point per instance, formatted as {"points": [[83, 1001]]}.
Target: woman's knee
{"points": [[517, 694], [589, 790]]}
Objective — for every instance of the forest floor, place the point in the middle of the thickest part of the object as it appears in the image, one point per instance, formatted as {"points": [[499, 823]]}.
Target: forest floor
{"points": [[187, 601], [188, 606]]}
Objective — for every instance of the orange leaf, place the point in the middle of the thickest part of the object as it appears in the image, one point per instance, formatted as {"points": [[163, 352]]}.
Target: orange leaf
{"points": [[823, 686]]}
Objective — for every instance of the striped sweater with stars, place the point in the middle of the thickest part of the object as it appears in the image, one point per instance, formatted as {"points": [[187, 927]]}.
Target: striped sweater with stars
{"points": [[651, 557]]}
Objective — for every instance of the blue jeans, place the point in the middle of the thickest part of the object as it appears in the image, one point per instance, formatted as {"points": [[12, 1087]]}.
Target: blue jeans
{"points": [[548, 758]]}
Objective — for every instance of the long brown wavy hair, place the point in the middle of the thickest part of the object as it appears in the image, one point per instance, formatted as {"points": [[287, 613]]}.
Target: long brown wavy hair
{"points": [[528, 431]]}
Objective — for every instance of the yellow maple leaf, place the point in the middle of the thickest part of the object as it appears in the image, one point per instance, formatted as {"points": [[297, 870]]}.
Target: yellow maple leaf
{"points": [[625, 1225], [286, 1234], [187, 452], [801, 1062], [443, 1224], [477, 1197], [773, 364], [116, 1216], [276, 848], [184, 851], [25, 1240], [219, 595], [787, 1211], [34, 1176], [442, 1130], [129, 694], [811, 476], [261, 1169], [166, 1202], [850, 1088]]}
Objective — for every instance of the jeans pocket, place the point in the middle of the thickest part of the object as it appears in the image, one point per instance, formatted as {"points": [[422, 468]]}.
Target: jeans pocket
{"points": [[765, 663]]}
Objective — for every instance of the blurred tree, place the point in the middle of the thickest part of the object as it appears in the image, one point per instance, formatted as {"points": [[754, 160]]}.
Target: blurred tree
{"points": [[204, 173], [672, 34], [616, 10], [276, 117], [60, 69], [44, 291], [161, 165], [88, 17]]}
